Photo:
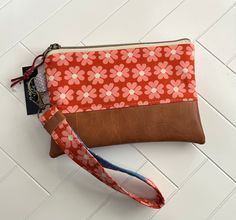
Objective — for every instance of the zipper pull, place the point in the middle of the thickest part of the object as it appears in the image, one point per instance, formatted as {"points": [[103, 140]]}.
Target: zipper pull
{"points": [[37, 62], [51, 47]]}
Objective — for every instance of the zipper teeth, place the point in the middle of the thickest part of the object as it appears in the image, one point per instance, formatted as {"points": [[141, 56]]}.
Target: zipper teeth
{"points": [[116, 46]]}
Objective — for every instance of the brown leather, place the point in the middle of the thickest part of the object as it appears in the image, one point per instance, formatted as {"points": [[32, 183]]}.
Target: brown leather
{"points": [[164, 122], [53, 122]]}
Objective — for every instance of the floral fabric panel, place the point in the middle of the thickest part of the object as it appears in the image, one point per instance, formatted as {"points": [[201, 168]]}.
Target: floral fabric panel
{"points": [[87, 81]]}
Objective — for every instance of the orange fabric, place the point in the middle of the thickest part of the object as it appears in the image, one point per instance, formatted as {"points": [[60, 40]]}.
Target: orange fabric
{"points": [[87, 81]]}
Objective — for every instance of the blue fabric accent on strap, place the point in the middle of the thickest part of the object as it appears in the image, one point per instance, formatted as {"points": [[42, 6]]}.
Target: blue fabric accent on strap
{"points": [[109, 165], [112, 166]]}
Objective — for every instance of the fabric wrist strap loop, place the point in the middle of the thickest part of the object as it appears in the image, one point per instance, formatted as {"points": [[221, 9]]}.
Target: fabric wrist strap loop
{"points": [[62, 133]]}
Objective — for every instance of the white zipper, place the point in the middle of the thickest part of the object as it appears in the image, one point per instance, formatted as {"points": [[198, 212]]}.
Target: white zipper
{"points": [[56, 48]]}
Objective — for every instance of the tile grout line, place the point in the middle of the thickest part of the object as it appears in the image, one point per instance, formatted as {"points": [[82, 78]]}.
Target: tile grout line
{"points": [[69, 175], [61, 183], [224, 201], [205, 160], [45, 199], [11, 90], [7, 156], [82, 43], [104, 21], [170, 12], [109, 197], [133, 145], [12, 93], [8, 173], [195, 171], [183, 183], [167, 200], [217, 20], [215, 56], [52, 193], [46, 19], [230, 60], [37, 26], [31, 52], [197, 39], [17, 99], [26, 173], [225, 173], [214, 108], [231, 69], [4, 5]]}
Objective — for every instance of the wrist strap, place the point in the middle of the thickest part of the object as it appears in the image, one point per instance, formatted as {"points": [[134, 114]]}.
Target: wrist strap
{"points": [[57, 126]]}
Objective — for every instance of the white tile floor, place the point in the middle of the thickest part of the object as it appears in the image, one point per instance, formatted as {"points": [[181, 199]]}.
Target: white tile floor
{"points": [[199, 181]]}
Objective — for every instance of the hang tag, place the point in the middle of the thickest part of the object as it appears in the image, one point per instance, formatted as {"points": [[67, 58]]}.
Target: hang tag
{"points": [[30, 98]]}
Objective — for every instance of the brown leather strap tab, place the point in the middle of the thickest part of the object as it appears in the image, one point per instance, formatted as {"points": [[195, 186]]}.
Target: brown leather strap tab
{"points": [[53, 122]]}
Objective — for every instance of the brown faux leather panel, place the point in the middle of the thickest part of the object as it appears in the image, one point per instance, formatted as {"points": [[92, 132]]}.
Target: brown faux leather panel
{"points": [[54, 121], [163, 122]]}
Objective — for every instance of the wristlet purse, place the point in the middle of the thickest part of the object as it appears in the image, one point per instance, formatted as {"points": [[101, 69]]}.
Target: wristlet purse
{"points": [[116, 94]]}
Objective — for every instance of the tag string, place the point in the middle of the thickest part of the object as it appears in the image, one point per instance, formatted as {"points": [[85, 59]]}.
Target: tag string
{"points": [[29, 72]]}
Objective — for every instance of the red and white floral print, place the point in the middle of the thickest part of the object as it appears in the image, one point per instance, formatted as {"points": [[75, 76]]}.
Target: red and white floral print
{"points": [[62, 58], [63, 95], [84, 157], [67, 138], [174, 52], [109, 92], [96, 107], [119, 73], [130, 55], [119, 105], [163, 70], [152, 53], [190, 51], [154, 89], [85, 58], [132, 91], [74, 75], [99, 172], [185, 70], [187, 99], [54, 134], [86, 94], [53, 77], [192, 88], [176, 88], [71, 109], [108, 56], [132, 76], [142, 102], [165, 101], [97, 75], [48, 114], [141, 72], [69, 153]]}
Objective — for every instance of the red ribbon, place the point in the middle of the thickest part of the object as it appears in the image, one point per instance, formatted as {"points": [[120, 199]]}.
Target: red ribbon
{"points": [[29, 72]]}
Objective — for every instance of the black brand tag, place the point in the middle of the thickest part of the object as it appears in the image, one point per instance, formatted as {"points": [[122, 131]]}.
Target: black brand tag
{"points": [[31, 107]]}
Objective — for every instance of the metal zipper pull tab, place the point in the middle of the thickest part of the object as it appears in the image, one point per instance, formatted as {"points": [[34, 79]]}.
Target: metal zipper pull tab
{"points": [[51, 47], [37, 62]]}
